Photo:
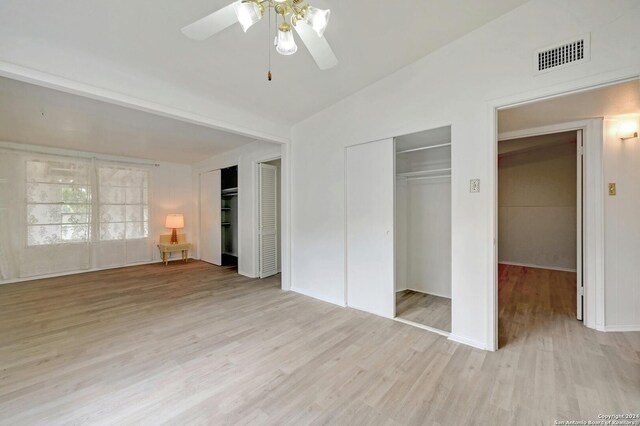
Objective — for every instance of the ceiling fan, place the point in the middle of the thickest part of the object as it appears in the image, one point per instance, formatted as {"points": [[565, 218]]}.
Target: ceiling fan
{"points": [[308, 21]]}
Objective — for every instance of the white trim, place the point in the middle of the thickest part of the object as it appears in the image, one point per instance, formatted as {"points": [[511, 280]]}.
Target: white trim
{"points": [[530, 265], [466, 341], [422, 326], [319, 296], [620, 328], [28, 75], [78, 272]]}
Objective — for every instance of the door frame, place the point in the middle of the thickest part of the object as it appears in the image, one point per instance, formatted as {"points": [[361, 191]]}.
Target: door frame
{"points": [[198, 204], [580, 128]]}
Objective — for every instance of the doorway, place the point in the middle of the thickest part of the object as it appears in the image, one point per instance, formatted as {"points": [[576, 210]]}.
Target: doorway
{"points": [[540, 217], [423, 229], [219, 213]]}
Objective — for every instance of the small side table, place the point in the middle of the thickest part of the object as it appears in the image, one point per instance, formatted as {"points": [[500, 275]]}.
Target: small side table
{"points": [[166, 248]]}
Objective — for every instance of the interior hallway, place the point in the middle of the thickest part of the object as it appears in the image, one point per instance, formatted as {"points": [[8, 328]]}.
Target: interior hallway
{"points": [[194, 343]]}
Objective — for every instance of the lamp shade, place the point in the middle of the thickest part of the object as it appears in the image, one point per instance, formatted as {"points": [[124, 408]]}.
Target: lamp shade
{"points": [[318, 19], [285, 44], [174, 221], [248, 13]]}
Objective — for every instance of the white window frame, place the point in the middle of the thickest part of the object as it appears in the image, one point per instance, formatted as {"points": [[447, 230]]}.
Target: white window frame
{"points": [[28, 203]]}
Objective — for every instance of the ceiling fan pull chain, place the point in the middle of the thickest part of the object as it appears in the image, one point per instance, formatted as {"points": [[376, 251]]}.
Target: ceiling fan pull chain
{"points": [[269, 47]]}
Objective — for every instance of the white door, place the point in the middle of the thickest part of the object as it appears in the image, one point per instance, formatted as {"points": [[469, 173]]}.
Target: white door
{"points": [[268, 219], [370, 178], [579, 230], [210, 217]]}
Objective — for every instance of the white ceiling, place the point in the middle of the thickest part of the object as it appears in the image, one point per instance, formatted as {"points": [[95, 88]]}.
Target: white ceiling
{"points": [[619, 99], [37, 115], [103, 42]]}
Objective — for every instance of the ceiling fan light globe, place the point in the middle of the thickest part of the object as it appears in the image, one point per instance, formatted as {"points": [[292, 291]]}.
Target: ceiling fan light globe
{"points": [[318, 19], [286, 44], [248, 13]]}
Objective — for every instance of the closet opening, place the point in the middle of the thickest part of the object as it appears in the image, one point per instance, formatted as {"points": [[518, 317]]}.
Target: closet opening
{"points": [[219, 212], [269, 217], [423, 229], [229, 216]]}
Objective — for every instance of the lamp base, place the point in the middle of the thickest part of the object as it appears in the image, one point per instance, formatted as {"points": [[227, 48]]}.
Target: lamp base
{"points": [[174, 236]]}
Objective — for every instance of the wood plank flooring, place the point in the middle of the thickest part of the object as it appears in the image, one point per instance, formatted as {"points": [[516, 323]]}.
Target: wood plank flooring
{"points": [[197, 344], [426, 309]]}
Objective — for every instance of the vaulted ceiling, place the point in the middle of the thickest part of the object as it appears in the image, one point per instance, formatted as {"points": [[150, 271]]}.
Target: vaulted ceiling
{"points": [[136, 47]]}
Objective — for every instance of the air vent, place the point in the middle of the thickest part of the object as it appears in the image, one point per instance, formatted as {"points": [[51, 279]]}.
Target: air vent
{"points": [[564, 54]]}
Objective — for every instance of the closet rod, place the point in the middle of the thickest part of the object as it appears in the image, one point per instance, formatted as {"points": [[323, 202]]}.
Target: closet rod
{"points": [[424, 171], [429, 177], [423, 148]]}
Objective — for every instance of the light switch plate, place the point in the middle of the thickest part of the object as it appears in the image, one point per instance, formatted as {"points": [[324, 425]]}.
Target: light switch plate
{"points": [[474, 185], [612, 188]]}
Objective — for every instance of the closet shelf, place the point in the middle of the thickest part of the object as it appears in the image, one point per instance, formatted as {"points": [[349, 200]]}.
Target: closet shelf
{"points": [[422, 172], [422, 148], [429, 177], [225, 208], [229, 191], [226, 224]]}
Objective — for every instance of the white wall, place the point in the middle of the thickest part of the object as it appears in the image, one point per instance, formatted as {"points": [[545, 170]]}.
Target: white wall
{"points": [[245, 158], [401, 234], [456, 85], [172, 192], [537, 207], [429, 236], [622, 229]]}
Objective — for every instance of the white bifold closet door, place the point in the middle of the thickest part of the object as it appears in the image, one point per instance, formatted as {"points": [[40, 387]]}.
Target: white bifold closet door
{"points": [[268, 219], [370, 178], [210, 217]]}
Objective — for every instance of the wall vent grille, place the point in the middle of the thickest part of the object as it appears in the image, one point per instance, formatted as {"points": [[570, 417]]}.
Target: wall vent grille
{"points": [[559, 56]]}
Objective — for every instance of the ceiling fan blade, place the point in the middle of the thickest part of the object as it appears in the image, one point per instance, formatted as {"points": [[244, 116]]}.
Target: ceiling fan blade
{"points": [[318, 46], [211, 24]]}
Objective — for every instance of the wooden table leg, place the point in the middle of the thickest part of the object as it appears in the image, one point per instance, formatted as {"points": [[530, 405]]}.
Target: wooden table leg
{"points": [[164, 258]]}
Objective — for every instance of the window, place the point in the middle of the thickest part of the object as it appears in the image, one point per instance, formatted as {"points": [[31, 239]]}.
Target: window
{"points": [[124, 209], [58, 202]]}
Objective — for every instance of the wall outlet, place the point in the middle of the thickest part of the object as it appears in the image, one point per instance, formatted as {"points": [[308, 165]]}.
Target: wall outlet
{"points": [[474, 185], [612, 188]]}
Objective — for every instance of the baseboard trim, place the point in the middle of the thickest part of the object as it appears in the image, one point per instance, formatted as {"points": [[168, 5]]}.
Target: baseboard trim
{"points": [[620, 328], [529, 265], [469, 342], [422, 326], [83, 271], [424, 292], [318, 296]]}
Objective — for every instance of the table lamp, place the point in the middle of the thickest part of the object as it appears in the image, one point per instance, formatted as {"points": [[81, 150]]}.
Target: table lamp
{"points": [[174, 221]]}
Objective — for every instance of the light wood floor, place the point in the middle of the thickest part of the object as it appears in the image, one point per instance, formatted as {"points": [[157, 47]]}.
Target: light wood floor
{"points": [[196, 344], [426, 309]]}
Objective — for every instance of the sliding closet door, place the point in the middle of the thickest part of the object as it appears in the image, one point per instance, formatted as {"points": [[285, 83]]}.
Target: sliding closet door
{"points": [[268, 219], [210, 221], [370, 180]]}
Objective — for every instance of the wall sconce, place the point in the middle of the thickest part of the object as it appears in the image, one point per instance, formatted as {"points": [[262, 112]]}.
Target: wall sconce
{"points": [[628, 130], [173, 222]]}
